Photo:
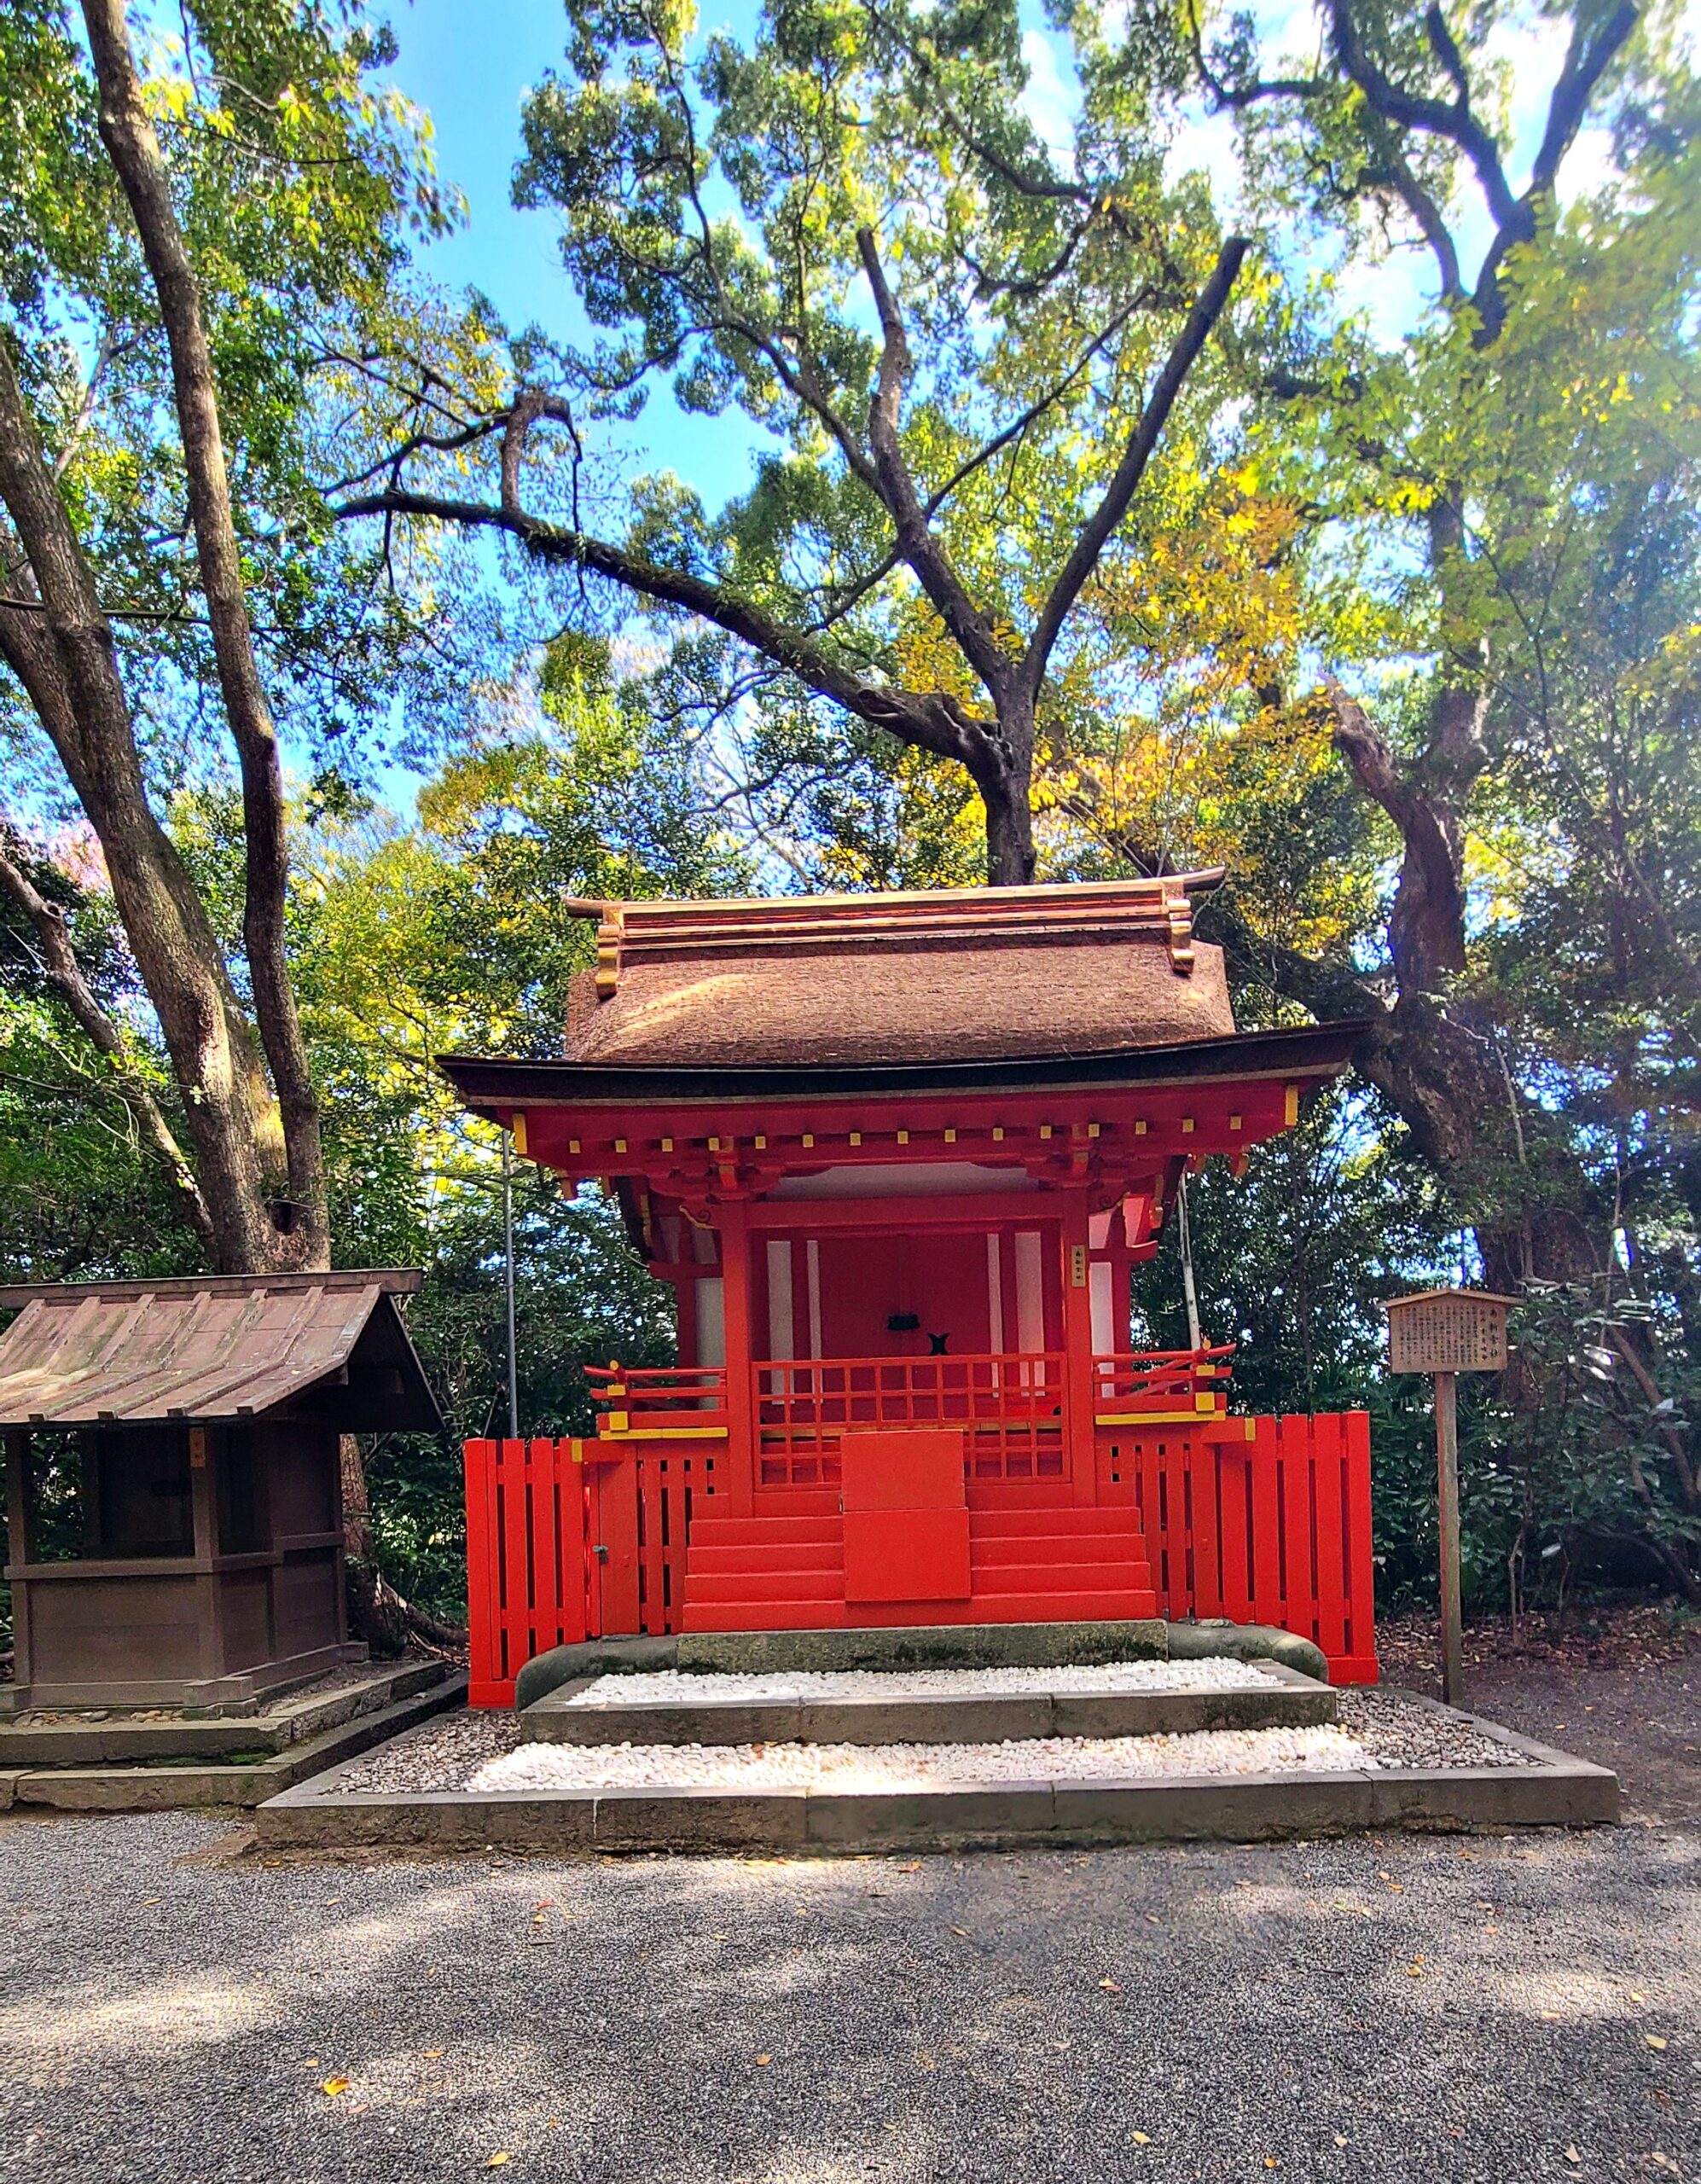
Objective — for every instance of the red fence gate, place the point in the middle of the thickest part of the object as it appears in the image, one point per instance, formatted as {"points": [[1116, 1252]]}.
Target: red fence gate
{"points": [[572, 1539]]}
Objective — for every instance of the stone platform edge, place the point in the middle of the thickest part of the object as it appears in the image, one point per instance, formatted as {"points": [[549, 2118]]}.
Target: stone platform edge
{"points": [[123, 1740], [1288, 1700], [1556, 1790], [920, 1646], [176, 1786]]}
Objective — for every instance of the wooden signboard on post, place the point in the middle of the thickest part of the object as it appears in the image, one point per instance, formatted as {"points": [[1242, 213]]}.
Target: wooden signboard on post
{"points": [[1447, 1332]]}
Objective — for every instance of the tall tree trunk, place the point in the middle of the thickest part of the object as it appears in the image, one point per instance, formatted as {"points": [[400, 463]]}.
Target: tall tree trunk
{"points": [[128, 134], [63, 655], [1003, 774]]}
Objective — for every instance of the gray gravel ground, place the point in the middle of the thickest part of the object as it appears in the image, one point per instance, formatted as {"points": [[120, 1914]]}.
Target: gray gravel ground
{"points": [[1412, 2007]]}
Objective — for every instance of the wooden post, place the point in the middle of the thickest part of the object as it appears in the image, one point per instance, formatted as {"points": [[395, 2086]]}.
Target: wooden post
{"points": [[1447, 1471], [20, 1553], [1447, 1332], [204, 1515], [744, 1430], [1078, 1390]]}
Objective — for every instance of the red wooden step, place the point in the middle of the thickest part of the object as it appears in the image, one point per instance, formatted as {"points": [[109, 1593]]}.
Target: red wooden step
{"points": [[761, 1531], [1078, 1549], [763, 1585], [1059, 1576], [1021, 1524], [780, 1555], [1063, 1607], [757, 1615]]}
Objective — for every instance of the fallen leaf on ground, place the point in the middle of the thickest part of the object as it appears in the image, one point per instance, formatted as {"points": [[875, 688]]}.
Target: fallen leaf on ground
{"points": [[1572, 2154], [960, 1930], [1270, 2162], [333, 2087], [1653, 2040], [1339, 2141], [913, 1867], [1141, 2139], [497, 2160], [762, 2061], [433, 2054], [1111, 1987]]}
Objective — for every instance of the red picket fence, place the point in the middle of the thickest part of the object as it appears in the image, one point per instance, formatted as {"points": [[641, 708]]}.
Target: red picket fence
{"points": [[572, 1539], [1275, 1530]]}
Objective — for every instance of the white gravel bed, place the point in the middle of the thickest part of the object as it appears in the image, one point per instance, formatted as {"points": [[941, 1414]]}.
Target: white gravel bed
{"points": [[680, 1686], [852, 1767], [461, 1751]]}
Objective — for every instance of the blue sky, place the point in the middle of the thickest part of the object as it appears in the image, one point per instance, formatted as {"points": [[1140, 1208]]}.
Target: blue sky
{"points": [[469, 63]]}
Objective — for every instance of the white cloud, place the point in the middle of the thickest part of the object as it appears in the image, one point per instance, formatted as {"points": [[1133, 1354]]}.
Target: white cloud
{"points": [[1052, 100]]}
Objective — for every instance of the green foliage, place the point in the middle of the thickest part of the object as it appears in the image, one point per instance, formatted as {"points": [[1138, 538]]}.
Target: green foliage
{"points": [[1365, 478]]}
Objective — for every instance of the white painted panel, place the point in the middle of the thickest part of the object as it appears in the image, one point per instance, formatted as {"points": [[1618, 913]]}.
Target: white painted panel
{"points": [[1029, 1291], [712, 1322], [1099, 1229], [994, 1291], [704, 1248], [812, 1262], [1099, 1277], [780, 1314]]}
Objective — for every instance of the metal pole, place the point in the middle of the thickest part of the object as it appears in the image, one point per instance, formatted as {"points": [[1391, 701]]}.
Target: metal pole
{"points": [[1195, 1335], [1447, 1473], [507, 1285]]}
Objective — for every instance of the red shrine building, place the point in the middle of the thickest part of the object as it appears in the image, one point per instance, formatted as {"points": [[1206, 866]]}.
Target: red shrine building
{"points": [[897, 1154]]}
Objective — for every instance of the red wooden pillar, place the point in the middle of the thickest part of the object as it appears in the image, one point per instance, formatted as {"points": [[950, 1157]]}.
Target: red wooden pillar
{"points": [[1078, 1387], [743, 1452]]}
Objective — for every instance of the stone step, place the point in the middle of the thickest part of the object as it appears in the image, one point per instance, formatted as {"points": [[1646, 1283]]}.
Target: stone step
{"points": [[1289, 1700]]}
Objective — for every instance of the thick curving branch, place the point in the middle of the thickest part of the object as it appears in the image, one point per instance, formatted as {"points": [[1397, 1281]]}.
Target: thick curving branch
{"points": [[934, 722], [1142, 441]]}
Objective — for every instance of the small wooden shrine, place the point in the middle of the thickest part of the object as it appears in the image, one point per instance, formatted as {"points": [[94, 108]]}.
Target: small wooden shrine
{"points": [[897, 1155], [201, 1419]]}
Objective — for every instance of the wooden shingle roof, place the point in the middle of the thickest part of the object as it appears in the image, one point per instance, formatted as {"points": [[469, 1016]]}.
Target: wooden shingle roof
{"points": [[203, 1348]]}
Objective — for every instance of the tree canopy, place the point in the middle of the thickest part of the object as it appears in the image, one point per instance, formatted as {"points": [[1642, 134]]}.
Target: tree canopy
{"points": [[1280, 458]]}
